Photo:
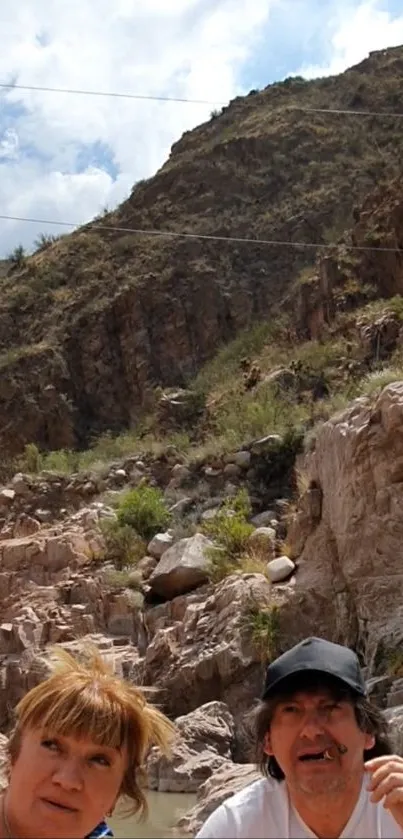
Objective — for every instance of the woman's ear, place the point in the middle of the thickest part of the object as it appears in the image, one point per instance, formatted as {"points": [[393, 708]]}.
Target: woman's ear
{"points": [[111, 809], [267, 744]]}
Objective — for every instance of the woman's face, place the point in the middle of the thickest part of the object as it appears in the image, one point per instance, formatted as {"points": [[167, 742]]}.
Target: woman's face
{"points": [[61, 787]]}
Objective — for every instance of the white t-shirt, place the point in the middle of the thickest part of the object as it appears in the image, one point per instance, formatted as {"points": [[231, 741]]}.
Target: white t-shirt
{"points": [[263, 811]]}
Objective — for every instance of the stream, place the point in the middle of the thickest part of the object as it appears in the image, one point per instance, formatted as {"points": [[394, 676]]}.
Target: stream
{"points": [[165, 808]]}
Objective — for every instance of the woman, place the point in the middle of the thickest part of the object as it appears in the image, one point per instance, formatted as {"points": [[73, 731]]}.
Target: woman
{"points": [[79, 743]]}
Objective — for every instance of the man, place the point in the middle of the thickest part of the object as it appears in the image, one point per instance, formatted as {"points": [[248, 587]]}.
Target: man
{"points": [[324, 753]]}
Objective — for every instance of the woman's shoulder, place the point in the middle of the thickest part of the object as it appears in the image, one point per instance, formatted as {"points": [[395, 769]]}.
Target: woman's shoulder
{"points": [[101, 830]]}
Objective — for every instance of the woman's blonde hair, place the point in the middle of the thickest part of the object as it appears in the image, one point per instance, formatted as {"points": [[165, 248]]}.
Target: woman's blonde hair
{"points": [[83, 698]]}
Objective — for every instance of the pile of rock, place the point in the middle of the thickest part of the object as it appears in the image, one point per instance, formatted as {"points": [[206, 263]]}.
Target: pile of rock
{"points": [[193, 640]]}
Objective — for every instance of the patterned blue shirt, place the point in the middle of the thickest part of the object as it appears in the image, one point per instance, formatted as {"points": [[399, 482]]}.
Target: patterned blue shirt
{"points": [[101, 830]]}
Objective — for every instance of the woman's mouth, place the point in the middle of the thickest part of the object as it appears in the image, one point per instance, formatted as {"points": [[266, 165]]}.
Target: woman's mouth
{"points": [[57, 805]]}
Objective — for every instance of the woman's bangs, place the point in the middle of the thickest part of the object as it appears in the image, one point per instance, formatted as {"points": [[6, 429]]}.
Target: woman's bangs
{"points": [[86, 714]]}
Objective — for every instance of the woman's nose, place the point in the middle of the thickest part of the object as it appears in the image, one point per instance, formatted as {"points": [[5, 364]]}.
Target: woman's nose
{"points": [[69, 775]]}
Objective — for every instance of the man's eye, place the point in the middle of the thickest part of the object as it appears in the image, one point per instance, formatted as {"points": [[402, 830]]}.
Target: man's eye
{"points": [[290, 709]]}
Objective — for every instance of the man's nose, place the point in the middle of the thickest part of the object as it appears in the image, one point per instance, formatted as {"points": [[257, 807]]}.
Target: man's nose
{"points": [[69, 774], [314, 723]]}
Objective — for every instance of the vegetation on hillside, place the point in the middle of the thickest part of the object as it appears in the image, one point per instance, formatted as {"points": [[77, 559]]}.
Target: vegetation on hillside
{"points": [[230, 532], [92, 314], [235, 415]]}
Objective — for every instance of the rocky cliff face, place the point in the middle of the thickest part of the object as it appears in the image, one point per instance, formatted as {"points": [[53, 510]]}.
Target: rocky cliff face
{"points": [[350, 554], [101, 313], [346, 279], [191, 639]]}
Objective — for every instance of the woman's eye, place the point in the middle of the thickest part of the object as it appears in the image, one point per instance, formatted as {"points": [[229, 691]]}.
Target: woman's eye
{"points": [[290, 709], [52, 745], [103, 760]]}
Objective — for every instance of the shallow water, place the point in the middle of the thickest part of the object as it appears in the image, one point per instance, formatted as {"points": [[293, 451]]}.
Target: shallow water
{"points": [[165, 808]]}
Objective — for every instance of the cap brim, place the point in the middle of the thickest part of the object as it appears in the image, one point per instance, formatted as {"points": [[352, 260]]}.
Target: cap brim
{"points": [[280, 683]]}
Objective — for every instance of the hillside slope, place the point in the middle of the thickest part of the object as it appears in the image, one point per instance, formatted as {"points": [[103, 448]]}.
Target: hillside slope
{"points": [[91, 323]]}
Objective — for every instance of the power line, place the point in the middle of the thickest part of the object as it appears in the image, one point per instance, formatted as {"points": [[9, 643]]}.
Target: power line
{"points": [[111, 93], [141, 96], [348, 111], [203, 236]]}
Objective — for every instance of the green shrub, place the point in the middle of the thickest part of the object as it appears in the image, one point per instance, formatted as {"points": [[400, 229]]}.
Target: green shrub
{"points": [[376, 381], [135, 580], [31, 461], [144, 510], [123, 546], [240, 503], [117, 578], [122, 580], [62, 460], [249, 342], [230, 531], [17, 257], [134, 599], [44, 241], [262, 622]]}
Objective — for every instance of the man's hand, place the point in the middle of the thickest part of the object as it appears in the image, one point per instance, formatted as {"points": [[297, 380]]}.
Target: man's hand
{"points": [[386, 782]]}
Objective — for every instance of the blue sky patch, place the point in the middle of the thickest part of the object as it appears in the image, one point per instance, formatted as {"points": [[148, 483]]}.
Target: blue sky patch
{"points": [[98, 155], [298, 34], [43, 38]]}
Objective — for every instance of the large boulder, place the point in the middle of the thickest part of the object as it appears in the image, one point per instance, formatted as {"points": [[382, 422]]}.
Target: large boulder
{"points": [[229, 779], [280, 569], [44, 554], [204, 743], [263, 540], [7, 497], [159, 544], [182, 568]]}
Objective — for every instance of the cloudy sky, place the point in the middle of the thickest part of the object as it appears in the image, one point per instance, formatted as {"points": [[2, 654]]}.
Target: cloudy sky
{"points": [[66, 157]]}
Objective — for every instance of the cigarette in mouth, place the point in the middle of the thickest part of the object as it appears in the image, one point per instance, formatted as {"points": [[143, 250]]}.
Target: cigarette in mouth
{"points": [[333, 751]]}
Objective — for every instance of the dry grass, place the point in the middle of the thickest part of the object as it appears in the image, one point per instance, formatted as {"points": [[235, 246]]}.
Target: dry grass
{"points": [[252, 562], [303, 480]]}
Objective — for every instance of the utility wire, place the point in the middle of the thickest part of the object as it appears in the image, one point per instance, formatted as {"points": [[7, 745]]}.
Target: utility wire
{"points": [[140, 96], [105, 93], [204, 236]]}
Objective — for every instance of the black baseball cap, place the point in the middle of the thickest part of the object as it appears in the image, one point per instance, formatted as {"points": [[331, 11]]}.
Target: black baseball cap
{"points": [[315, 655]]}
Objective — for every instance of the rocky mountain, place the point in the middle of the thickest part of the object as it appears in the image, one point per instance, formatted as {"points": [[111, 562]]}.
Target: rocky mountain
{"points": [[93, 322]]}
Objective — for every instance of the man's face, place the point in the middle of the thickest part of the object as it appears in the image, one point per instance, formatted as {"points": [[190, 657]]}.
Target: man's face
{"points": [[303, 728]]}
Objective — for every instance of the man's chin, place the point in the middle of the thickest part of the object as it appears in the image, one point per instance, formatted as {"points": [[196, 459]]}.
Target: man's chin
{"points": [[319, 787]]}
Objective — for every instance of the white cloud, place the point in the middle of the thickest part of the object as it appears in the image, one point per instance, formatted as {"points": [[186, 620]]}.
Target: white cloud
{"points": [[197, 49], [358, 29], [9, 144], [188, 48]]}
